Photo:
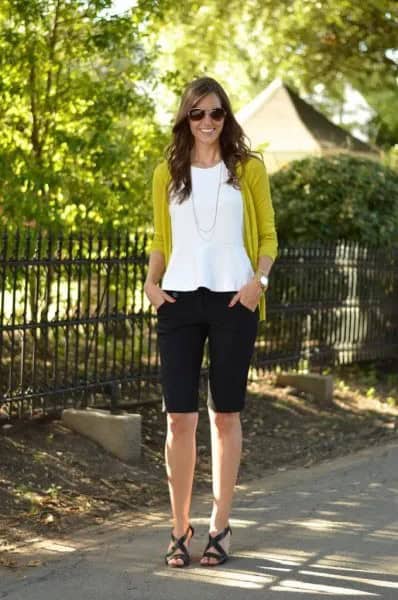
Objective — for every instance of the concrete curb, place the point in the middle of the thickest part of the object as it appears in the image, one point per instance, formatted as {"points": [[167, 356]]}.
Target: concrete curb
{"points": [[320, 386], [119, 434]]}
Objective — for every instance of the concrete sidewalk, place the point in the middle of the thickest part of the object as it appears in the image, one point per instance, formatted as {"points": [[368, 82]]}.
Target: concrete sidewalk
{"points": [[329, 531]]}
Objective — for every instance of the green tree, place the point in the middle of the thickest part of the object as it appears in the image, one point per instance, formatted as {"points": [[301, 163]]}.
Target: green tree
{"points": [[341, 197], [78, 135], [305, 42]]}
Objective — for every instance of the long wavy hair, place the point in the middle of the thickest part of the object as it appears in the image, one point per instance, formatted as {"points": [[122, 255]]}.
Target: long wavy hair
{"points": [[233, 142]]}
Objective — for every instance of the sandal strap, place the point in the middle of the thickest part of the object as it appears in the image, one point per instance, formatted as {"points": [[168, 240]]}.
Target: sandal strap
{"points": [[213, 543], [221, 536], [183, 538], [173, 550], [214, 555], [179, 544], [216, 546]]}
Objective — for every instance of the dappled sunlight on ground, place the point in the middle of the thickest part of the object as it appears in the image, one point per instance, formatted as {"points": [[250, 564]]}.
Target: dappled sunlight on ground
{"points": [[331, 531], [285, 570]]}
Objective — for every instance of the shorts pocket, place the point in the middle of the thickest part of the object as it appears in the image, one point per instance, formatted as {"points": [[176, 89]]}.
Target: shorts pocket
{"points": [[164, 305], [160, 307], [247, 308]]}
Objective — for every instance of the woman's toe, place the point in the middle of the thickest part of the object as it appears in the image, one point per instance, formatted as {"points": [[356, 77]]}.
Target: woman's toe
{"points": [[175, 562]]}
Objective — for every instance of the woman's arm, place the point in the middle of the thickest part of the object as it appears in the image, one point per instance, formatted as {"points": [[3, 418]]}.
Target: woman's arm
{"points": [[156, 268], [265, 217], [264, 265], [250, 293], [157, 263]]}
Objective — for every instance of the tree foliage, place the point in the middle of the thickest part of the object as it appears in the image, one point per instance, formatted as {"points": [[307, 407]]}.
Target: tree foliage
{"points": [[305, 42], [342, 197], [79, 89], [78, 134]]}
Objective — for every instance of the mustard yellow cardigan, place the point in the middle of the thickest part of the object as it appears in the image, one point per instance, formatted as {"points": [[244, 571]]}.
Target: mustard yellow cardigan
{"points": [[258, 215]]}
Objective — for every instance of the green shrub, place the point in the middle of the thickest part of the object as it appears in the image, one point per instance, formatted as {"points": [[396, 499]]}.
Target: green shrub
{"points": [[340, 197]]}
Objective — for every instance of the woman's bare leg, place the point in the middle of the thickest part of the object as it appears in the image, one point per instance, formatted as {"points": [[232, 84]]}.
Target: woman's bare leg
{"points": [[180, 457], [226, 448]]}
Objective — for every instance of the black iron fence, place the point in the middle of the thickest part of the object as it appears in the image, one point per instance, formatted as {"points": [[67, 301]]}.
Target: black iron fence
{"points": [[76, 327]]}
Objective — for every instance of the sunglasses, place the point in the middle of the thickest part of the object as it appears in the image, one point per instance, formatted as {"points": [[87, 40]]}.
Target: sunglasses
{"points": [[197, 114]]}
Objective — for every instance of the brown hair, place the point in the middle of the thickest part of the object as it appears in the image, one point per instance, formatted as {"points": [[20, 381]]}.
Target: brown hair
{"points": [[233, 142]]}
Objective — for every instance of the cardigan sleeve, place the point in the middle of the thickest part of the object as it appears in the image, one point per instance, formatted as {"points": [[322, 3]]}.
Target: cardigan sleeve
{"points": [[259, 183], [158, 192]]}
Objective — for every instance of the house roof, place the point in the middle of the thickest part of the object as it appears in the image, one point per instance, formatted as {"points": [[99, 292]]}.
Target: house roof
{"points": [[283, 120]]}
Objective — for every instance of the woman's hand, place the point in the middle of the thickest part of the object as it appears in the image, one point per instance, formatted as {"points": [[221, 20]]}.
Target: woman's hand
{"points": [[156, 295], [248, 295]]}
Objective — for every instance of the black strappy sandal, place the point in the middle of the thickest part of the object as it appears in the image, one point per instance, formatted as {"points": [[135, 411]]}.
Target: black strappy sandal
{"points": [[179, 544], [222, 557]]}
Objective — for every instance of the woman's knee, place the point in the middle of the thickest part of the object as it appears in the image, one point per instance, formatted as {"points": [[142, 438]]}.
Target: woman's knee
{"points": [[225, 421], [182, 423]]}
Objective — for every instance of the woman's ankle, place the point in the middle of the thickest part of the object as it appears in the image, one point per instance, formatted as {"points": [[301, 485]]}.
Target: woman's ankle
{"points": [[181, 528], [217, 527]]}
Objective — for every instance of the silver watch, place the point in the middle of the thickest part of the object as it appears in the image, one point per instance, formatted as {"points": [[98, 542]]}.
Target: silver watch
{"points": [[263, 279]]}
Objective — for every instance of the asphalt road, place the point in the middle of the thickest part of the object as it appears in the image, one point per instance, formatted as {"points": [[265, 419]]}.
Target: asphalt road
{"points": [[328, 531]]}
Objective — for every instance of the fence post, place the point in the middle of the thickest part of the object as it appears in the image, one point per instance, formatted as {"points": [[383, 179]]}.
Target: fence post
{"points": [[115, 398], [307, 350]]}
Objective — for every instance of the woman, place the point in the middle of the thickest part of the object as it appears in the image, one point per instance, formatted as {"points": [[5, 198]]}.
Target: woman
{"points": [[213, 248]]}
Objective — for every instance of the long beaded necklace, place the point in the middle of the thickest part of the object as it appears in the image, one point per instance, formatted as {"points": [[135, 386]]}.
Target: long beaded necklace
{"points": [[200, 229]]}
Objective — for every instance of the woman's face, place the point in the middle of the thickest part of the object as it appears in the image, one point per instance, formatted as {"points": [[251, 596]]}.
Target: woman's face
{"points": [[207, 131]]}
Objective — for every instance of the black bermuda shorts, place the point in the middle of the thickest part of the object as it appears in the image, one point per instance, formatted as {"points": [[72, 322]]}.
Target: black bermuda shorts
{"points": [[183, 327]]}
